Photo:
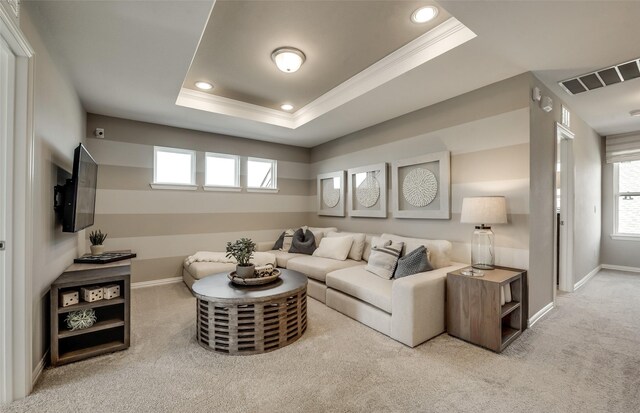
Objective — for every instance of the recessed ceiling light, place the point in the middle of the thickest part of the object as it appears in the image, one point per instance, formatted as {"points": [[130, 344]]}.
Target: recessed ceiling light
{"points": [[424, 14], [286, 107], [204, 85], [635, 112], [288, 59]]}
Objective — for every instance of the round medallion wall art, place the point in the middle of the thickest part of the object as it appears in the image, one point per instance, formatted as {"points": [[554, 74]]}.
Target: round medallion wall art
{"points": [[368, 192], [330, 195], [420, 187]]}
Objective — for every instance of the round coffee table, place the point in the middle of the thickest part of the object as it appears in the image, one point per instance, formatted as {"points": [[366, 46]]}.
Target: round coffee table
{"points": [[235, 319]]}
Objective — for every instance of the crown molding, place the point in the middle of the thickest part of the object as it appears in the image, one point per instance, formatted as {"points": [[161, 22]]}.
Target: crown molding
{"points": [[441, 39]]}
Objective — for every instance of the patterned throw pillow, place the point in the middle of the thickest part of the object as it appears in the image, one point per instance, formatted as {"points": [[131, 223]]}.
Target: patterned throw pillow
{"points": [[303, 242], [414, 262], [284, 241], [384, 257]]}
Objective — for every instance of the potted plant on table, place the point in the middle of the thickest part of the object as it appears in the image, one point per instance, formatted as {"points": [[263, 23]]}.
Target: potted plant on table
{"points": [[242, 250], [97, 239]]}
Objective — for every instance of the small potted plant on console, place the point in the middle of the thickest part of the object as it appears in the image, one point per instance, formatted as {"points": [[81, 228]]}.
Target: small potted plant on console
{"points": [[242, 250], [97, 239]]}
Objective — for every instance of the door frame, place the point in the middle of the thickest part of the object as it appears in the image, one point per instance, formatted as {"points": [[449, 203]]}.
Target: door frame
{"points": [[16, 306], [564, 272]]}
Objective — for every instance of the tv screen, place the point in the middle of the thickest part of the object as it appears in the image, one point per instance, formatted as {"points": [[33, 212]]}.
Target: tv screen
{"points": [[80, 192]]}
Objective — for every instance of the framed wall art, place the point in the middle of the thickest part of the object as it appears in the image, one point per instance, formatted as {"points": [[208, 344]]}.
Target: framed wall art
{"points": [[367, 196], [422, 187], [331, 194]]}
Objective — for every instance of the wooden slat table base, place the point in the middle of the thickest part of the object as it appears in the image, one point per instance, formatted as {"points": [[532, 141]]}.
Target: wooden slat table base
{"points": [[251, 328]]}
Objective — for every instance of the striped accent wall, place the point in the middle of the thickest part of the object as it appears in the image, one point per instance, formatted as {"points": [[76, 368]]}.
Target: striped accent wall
{"points": [[164, 226], [489, 145]]}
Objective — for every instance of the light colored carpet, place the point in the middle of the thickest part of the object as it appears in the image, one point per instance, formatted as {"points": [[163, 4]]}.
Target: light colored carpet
{"points": [[583, 357]]}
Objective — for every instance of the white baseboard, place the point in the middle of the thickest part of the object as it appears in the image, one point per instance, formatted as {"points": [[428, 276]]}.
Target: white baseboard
{"points": [[35, 375], [587, 277], [154, 283], [537, 316], [620, 268]]}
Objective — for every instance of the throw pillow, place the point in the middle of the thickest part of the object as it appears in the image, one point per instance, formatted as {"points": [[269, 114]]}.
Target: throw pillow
{"points": [[414, 262], [384, 257], [279, 242], [357, 248], [288, 239], [317, 234], [336, 248], [303, 242]]}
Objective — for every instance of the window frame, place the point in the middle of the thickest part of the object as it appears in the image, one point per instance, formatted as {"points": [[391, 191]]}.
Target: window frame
{"points": [[617, 235], [231, 188], [274, 168], [170, 185]]}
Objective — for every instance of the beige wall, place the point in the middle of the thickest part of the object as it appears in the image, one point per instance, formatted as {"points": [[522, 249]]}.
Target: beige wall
{"points": [[587, 150], [487, 133], [59, 127], [165, 226]]}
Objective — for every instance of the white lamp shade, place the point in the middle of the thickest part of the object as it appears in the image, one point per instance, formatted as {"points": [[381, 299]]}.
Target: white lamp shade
{"points": [[484, 210]]}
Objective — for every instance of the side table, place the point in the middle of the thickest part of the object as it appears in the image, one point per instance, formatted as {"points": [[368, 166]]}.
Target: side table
{"points": [[474, 310]]}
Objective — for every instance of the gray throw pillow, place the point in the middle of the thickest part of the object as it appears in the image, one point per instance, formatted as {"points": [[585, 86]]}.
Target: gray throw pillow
{"points": [[414, 262], [303, 242]]}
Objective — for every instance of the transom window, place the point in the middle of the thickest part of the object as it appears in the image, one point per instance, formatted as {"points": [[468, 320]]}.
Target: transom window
{"points": [[173, 166], [262, 173], [222, 170], [627, 197]]}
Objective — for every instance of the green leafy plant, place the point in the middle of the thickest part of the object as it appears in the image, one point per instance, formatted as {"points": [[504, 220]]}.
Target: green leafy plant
{"points": [[242, 250], [78, 320], [97, 237]]}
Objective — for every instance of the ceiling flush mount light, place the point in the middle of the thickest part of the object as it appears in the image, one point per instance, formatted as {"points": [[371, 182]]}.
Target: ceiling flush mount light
{"points": [[286, 107], [288, 59], [635, 113], [424, 14], [204, 85]]}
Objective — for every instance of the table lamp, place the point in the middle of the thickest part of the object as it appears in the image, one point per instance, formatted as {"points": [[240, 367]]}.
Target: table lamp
{"points": [[483, 210]]}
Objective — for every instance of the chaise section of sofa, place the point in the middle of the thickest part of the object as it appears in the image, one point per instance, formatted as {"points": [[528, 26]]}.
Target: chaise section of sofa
{"points": [[411, 309]]}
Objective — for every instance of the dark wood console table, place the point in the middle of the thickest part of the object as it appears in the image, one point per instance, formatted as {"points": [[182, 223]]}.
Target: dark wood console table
{"points": [[111, 332]]}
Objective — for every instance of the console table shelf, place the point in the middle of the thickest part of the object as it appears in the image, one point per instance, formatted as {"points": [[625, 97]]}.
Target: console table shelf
{"points": [[111, 331]]}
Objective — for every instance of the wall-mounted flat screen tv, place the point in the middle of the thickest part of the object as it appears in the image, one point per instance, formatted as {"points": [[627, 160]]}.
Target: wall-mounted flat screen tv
{"points": [[76, 199]]}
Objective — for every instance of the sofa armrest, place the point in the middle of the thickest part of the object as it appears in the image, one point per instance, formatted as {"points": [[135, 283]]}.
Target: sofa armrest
{"points": [[418, 305], [264, 246]]}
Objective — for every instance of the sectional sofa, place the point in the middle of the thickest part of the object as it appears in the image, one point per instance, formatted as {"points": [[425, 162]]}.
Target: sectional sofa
{"points": [[410, 310]]}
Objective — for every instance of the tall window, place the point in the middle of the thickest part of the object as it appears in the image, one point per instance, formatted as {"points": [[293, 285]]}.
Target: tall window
{"points": [[627, 197], [172, 166], [222, 170], [262, 173]]}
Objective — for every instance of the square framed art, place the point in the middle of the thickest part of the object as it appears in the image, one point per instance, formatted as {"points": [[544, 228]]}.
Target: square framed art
{"points": [[422, 187], [367, 196], [331, 194]]}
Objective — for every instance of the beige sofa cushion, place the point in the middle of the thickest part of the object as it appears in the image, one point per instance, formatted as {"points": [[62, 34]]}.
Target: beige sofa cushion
{"points": [[200, 270], [283, 257], [318, 267], [319, 233], [363, 285], [440, 249], [357, 248], [367, 247]]}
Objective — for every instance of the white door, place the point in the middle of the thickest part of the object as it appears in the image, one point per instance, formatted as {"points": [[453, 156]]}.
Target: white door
{"points": [[7, 84], [565, 198]]}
